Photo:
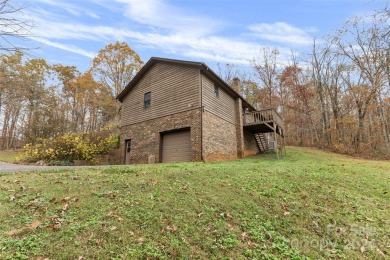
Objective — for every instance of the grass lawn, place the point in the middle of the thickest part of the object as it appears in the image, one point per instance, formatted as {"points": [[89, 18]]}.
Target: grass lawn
{"points": [[311, 204], [8, 156]]}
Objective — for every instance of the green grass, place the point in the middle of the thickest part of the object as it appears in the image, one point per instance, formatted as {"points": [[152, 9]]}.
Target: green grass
{"points": [[8, 156], [311, 204]]}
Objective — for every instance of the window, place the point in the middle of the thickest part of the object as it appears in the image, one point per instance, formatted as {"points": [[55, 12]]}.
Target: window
{"points": [[216, 91], [147, 99], [128, 146]]}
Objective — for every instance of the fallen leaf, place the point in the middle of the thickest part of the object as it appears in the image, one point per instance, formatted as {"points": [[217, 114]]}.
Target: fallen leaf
{"points": [[284, 206], [115, 215], [65, 207], [200, 214], [139, 240], [30, 227], [34, 225], [369, 219], [12, 198], [166, 220], [251, 244], [171, 229], [65, 200], [54, 227], [362, 249], [380, 252]]}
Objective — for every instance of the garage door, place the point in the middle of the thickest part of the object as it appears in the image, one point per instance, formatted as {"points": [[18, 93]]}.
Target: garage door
{"points": [[176, 147]]}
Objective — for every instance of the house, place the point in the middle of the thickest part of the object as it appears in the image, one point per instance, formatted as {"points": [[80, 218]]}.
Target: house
{"points": [[175, 110]]}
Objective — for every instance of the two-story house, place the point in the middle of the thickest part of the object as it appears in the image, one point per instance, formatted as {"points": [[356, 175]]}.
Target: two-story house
{"points": [[174, 111]]}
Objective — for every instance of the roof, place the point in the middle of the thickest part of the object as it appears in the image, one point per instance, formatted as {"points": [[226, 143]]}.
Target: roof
{"points": [[202, 66]]}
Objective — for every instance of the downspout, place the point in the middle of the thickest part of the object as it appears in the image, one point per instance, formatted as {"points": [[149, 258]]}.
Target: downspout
{"points": [[201, 116]]}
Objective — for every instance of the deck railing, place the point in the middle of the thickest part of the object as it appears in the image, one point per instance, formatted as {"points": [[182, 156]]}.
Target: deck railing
{"points": [[263, 116]]}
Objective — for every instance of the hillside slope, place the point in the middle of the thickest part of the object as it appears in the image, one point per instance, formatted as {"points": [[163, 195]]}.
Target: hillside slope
{"points": [[310, 204]]}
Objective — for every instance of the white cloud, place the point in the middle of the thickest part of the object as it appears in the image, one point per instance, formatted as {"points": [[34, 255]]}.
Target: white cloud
{"points": [[74, 10], [66, 47], [92, 14], [159, 14], [163, 27], [282, 32]]}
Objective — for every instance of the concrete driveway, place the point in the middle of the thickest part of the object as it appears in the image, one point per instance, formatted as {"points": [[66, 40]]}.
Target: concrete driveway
{"points": [[13, 168]]}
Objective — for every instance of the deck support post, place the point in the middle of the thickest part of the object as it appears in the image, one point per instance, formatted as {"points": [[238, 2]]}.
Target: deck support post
{"points": [[276, 141], [282, 146], [284, 143]]}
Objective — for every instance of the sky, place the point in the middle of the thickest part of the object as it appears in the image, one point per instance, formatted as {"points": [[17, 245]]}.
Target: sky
{"points": [[71, 32]]}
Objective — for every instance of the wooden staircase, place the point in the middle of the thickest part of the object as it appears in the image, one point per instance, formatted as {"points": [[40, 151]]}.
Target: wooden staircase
{"points": [[263, 122], [261, 142]]}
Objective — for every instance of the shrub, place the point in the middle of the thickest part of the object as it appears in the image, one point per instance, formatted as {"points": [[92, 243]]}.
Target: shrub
{"points": [[70, 147]]}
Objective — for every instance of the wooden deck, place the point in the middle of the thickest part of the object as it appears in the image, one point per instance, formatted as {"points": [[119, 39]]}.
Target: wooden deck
{"points": [[263, 121], [266, 121]]}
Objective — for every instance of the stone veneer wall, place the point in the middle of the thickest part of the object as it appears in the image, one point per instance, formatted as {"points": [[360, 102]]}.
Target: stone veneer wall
{"points": [[219, 138], [145, 136], [250, 145]]}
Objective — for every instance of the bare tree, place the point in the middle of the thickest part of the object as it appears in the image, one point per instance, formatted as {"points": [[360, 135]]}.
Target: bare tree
{"points": [[364, 43], [327, 66], [266, 67], [12, 26]]}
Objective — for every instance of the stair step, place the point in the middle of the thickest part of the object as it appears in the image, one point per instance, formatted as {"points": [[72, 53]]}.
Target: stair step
{"points": [[261, 142]]}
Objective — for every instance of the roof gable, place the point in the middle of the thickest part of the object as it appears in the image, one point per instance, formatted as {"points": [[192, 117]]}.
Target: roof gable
{"points": [[202, 67]]}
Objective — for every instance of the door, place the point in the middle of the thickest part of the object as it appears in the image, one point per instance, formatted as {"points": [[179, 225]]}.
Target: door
{"points": [[127, 151], [176, 147]]}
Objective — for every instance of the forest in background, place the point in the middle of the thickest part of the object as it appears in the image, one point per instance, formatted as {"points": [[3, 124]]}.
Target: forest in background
{"points": [[335, 97]]}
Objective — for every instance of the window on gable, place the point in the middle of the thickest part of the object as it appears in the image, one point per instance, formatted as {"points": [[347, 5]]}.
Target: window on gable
{"points": [[147, 100], [216, 91]]}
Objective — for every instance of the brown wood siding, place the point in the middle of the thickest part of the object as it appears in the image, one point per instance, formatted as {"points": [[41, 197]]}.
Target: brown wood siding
{"points": [[223, 106], [174, 88], [176, 147]]}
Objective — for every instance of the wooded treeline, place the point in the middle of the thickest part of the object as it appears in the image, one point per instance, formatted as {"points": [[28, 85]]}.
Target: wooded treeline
{"points": [[38, 100], [339, 96], [336, 97]]}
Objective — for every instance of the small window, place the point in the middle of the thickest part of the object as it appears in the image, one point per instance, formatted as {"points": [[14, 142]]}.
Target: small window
{"points": [[216, 91], [147, 99], [128, 146]]}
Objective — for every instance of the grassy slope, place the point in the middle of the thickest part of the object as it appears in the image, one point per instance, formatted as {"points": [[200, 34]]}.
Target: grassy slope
{"points": [[8, 156], [310, 204]]}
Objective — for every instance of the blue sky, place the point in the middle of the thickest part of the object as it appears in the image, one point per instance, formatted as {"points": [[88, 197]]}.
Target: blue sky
{"points": [[225, 31]]}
